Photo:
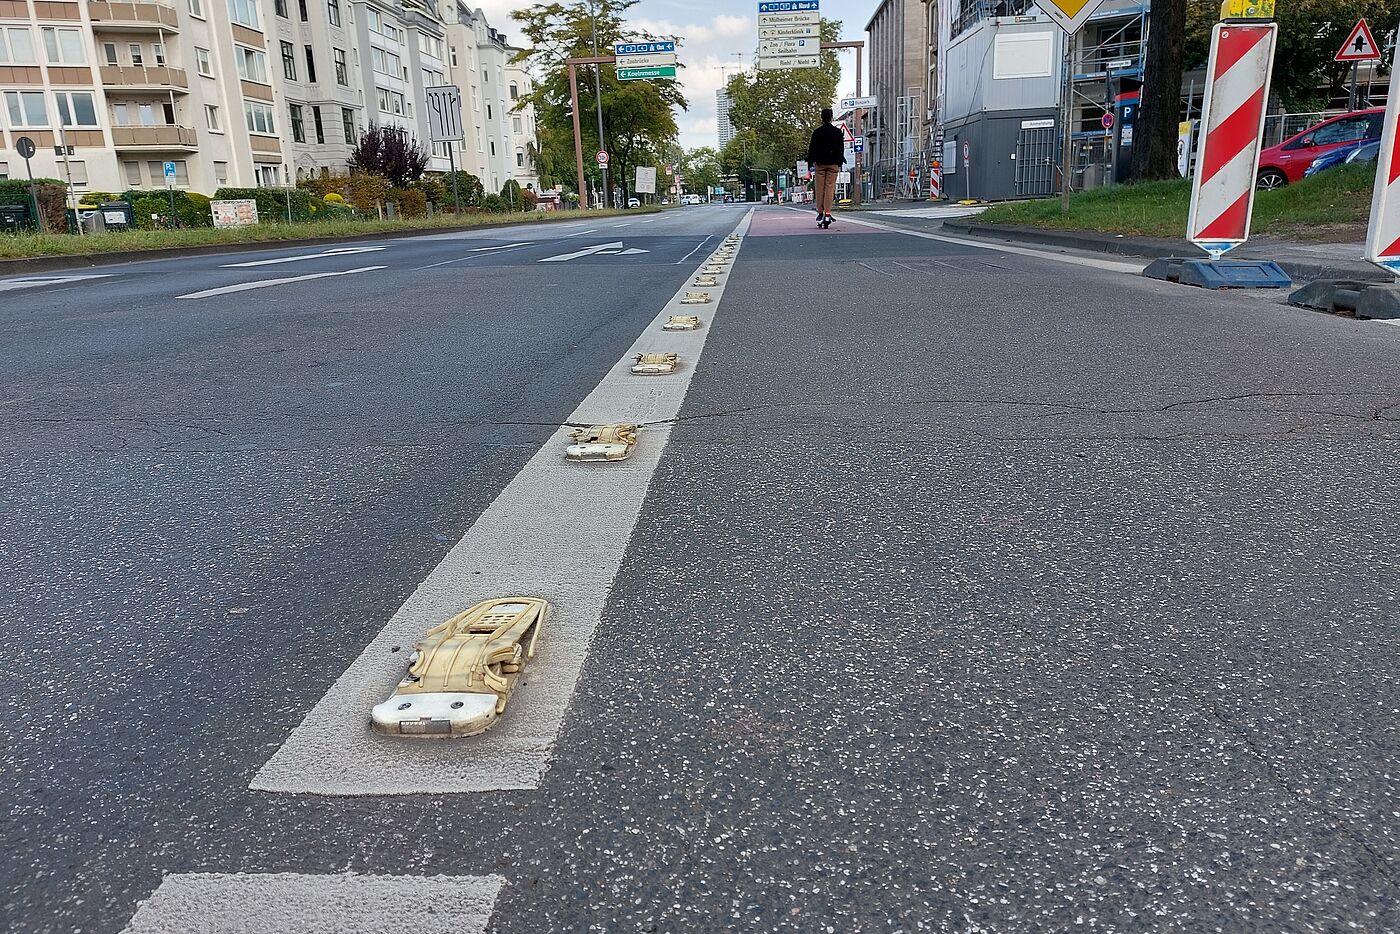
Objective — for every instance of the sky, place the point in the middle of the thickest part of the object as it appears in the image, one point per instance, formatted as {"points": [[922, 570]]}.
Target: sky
{"points": [[718, 37]]}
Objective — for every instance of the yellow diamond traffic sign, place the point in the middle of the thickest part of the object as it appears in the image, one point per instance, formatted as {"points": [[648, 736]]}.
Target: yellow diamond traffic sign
{"points": [[1069, 15]]}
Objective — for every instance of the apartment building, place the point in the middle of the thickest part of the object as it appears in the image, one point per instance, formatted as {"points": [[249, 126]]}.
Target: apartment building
{"points": [[895, 131], [499, 125], [238, 92]]}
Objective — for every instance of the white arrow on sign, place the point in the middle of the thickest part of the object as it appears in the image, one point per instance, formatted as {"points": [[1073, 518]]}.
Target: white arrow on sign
{"points": [[615, 248]]}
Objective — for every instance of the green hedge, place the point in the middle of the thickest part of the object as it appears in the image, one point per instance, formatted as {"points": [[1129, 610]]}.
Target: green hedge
{"points": [[52, 195], [191, 208], [272, 202]]}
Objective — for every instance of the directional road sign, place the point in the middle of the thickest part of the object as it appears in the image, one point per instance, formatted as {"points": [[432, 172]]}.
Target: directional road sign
{"points": [[858, 145], [852, 103], [789, 34], [807, 31], [444, 113], [641, 61], [1069, 15], [771, 48], [1360, 45], [776, 62]]}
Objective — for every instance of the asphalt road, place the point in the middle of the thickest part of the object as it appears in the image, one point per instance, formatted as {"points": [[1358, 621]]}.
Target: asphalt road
{"points": [[975, 590]]}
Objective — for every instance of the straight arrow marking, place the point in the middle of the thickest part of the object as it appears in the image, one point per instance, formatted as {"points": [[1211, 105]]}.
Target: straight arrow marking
{"points": [[586, 251]]}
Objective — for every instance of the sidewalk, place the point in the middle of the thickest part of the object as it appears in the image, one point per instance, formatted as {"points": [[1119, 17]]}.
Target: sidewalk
{"points": [[1302, 261]]}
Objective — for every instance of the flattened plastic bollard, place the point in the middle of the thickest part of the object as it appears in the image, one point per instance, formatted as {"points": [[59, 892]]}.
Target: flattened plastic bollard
{"points": [[655, 364], [681, 323], [602, 443], [462, 673]]}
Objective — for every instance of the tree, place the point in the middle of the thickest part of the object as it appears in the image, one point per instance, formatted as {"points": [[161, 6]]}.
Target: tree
{"points": [[783, 107], [1155, 129], [700, 168], [389, 152], [638, 116]]}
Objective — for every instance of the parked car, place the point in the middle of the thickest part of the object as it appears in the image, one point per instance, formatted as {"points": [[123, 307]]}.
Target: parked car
{"points": [[1288, 162], [633, 203], [1333, 157]]}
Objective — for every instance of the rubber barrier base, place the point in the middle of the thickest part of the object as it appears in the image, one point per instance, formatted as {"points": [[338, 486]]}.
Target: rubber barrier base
{"points": [[1221, 274]]}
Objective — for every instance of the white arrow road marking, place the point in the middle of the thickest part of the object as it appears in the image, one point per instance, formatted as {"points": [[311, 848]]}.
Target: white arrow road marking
{"points": [[586, 251], [557, 530], [633, 251], [333, 903], [508, 246], [347, 251], [34, 282], [483, 250], [265, 283]]}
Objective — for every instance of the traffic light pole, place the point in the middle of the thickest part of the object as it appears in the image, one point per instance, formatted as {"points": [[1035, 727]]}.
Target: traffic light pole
{"points": [[573, 64], [860, 114]]}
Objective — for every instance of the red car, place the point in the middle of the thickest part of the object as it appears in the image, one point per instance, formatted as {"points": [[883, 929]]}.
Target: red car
{"points": [[1285, 163]]}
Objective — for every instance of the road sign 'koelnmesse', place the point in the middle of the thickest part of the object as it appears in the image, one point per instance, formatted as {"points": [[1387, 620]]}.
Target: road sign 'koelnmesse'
{"points": [[789, 34], [638, 61]]}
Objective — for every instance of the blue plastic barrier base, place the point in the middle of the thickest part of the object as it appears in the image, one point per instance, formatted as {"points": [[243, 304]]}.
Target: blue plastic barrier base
{"points": [[1220, 274]]}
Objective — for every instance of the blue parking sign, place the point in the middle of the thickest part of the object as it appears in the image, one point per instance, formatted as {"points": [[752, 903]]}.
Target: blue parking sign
{"points": [[169, 170]]}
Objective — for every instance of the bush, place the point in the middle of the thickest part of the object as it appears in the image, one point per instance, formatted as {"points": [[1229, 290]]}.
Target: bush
{"points": [[334, 197], [335, 211], [411, 201], [365, 191], [495, 204], [510, 194], [469, 188], [530, 198], [272, 202], [434, 191], [191, 208], [51, 194]]}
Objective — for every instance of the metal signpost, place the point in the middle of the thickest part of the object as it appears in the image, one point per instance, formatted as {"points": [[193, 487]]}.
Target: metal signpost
{"points": [[26, 149], [1069, 15], [170, 188], [1359, 47], [789, 34], [641, 61], [445, 126]]}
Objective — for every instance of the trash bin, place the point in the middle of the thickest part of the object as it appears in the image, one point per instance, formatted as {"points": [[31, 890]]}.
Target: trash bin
{"points": [[14, 218], [117, 215]]}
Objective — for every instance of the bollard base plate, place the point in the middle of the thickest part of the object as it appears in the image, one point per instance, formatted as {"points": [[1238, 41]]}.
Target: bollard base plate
{"points": [[1350, 297], [1219, 274]]}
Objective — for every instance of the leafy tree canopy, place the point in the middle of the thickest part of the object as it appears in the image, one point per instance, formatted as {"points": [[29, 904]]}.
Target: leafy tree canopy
{"points": [[389, 152], [784, 107]]}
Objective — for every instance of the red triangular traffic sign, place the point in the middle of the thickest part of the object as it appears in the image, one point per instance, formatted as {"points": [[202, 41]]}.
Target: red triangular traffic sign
{"points": [[846, 133], [1360, 45]]}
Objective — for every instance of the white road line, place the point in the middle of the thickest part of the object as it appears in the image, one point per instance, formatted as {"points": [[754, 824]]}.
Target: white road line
{"points": [[278, 903], [482, 251], [628, 224], [578, 233], [557, 530], [616, 245], [1107, 264], [348, 251], [34, 282], [266, 283], [692, 252]]}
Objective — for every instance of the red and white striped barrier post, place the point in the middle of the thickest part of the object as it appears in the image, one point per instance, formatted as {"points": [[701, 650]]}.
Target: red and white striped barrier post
{"points": [[1237, 87], [935, 182], [1383, 232]]}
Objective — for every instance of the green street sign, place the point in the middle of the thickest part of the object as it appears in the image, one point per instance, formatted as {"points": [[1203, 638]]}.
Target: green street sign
{"points": [[641, 74]]}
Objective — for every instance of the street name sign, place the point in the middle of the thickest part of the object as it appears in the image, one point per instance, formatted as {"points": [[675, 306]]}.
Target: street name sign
{"points": [[1069, 15], [788, 19], [640, 61], [789, 34], [444, 113], [776, 62], [769, 48], [810, 31], [853, 103], [1360, 45]]}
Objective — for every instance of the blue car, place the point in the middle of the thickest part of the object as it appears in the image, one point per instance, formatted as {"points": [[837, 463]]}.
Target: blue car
{"points": [[1339, 155]]}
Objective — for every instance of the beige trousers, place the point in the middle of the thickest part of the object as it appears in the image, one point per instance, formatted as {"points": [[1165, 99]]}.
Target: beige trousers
{"points": [[825, 179]]}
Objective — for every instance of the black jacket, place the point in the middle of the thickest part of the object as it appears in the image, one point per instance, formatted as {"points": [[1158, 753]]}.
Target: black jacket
{"points": [[828, 146]]}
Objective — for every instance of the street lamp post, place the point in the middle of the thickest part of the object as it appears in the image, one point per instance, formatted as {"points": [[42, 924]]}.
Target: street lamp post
{"points": [[598, 99]]}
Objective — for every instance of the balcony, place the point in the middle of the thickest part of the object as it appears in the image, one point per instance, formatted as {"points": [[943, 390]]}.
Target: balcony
{"points": [[163, 138], [132, 17], [145, 77]]}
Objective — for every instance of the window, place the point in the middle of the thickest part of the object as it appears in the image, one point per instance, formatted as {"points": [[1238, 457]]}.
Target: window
{"points": [[259, 117], [488, 111], [76, 169], [120, 115], [158, 53], [182, 172], [1341, 131], [244, 13], [310, 65], [252, 63], [386, 63], [280, 8], [26, 109], [4, 170], [147, 114], [267, 176], [211, 117], [493, 147], [390, 102], [514, 91], [301, 10], [132, 170], [316, 122], [109, 53], [520, 158], [347, 123], [298, 130], [430, 45], [289, 61], [377, 23], [454, 56], [220, 173], [64, 46], [197, 8], [342, 71], [515, 125], [333, 11], [135, 50], [201, 62], [75, 108]]}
